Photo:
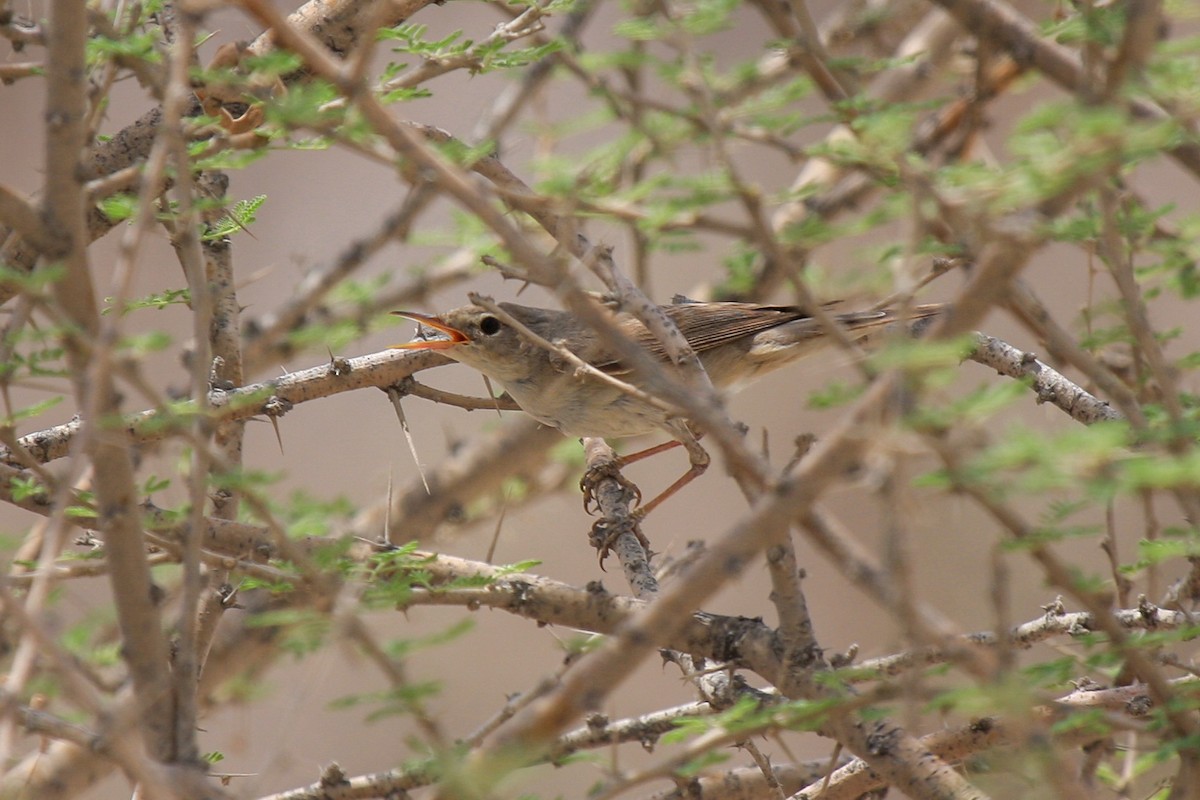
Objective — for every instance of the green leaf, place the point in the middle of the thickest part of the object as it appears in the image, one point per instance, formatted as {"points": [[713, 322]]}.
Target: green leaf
{"points": [[305, 630], [120, 206], [834, 394], [33, 282], [140, 45], [305, 105], [239, 218], [146, 343], [29, 412], [157, 301], [26, 488], [396, 701], [278, 587]]}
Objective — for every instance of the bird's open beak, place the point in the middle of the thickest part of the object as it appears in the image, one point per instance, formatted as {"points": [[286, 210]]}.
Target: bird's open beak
{"points": [[430, 324]]}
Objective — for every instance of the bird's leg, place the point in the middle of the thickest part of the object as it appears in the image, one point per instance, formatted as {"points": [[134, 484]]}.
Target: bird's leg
{"points": [[597, 472], [613, 495], [612, 469], [699, 463], [619, 520], [696, 454], [649, 451]]}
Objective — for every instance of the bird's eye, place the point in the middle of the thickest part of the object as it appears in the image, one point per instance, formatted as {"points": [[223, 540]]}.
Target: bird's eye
{"points": [[489, 326]]}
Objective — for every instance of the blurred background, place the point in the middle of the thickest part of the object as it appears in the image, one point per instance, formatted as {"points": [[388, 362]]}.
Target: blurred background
{"points": [[351, 446]]}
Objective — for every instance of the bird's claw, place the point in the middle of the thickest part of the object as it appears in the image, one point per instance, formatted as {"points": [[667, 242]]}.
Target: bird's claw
{"points": [[604, 536], [595, 474]]}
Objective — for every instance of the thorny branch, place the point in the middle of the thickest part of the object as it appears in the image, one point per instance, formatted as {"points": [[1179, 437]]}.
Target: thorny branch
{"points": [[336, 42]]}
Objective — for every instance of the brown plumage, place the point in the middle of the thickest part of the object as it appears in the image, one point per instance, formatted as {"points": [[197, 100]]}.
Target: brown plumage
{"points": [[736, 342]]}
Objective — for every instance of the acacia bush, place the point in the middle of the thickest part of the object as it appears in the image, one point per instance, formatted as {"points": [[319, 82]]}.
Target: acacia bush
{"points": [[931, 577]]}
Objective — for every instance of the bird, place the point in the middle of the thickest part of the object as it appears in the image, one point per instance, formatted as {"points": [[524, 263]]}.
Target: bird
{"points": [[736, 343]]}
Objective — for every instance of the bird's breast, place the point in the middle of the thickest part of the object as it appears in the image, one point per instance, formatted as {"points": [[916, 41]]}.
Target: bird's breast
{"points": [[581, 407]]}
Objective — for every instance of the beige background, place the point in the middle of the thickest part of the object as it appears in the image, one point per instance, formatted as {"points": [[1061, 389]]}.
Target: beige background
{"points": [[351, 444]]}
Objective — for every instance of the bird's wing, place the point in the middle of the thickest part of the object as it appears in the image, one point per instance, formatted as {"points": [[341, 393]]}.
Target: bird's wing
{"points": [[710, 325], [705, 326]]}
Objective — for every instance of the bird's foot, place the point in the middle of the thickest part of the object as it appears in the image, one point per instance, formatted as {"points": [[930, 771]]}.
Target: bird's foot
{"points": [[606, 534], [589, 484], [613, 497]]}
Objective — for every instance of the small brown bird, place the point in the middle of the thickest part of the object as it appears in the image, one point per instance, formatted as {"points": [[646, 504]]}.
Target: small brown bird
{"points": [[736, 342]]}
